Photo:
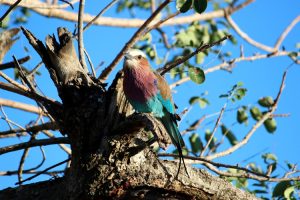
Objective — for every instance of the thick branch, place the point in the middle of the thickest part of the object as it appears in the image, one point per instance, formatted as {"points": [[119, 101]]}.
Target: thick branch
{"points": [[121, 22]]}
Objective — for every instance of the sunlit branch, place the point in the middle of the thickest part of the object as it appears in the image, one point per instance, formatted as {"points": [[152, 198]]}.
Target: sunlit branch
{"points": [[214, 130], [286, 32], [49, 10], [230, 64], [246, 37], [28, 94], [20, 106], [80, 35]]}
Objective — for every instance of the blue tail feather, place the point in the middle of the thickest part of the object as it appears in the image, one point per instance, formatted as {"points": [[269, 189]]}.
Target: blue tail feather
{"points": [[175, 136]]}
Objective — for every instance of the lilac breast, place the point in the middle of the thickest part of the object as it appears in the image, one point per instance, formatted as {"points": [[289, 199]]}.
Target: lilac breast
{"points": [[139, 84]]}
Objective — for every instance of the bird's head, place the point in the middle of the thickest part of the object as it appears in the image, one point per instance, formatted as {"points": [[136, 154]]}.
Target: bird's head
{"points": [[135, 58]]}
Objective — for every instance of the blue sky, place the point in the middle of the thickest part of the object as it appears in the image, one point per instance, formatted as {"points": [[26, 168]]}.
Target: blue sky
{"points": [[263, 20]]}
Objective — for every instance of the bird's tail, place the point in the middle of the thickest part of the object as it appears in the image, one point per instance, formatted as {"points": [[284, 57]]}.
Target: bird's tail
{"points": [[170, 124]]}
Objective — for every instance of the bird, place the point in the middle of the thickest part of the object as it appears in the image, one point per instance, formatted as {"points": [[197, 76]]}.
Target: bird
{"points": [[148, 92]]}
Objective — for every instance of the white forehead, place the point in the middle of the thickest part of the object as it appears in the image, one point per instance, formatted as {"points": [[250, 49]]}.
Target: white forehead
{"points": [[136, 52]]}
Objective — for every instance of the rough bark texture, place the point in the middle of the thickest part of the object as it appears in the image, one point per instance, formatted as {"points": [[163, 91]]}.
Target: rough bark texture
{"points": [[111, 156]]}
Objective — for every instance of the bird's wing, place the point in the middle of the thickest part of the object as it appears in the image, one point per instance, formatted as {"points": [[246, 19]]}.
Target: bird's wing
{"points": [[164, 96]]}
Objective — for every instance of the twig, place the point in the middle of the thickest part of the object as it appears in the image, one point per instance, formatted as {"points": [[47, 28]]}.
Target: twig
{"points": [[104, 75], [62, 146], [246, 172], [214, 130], [286, 32], [194, 125], [213, 163], [11, 64], [10, 9], [179, 61], [5, 117], [36, 128], [164, 38], [23, 76], [100, 14], [254, 128], [246, 37], [10, 173], [159, 23], [228, 64], [13, 82], [28, 94], [23, 157], [90, 62], [80, 35], [47, 169], [41, 142], [250, 176]]}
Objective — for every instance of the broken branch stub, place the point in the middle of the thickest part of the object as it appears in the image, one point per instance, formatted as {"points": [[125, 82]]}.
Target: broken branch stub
{"points": [[60, 58]]}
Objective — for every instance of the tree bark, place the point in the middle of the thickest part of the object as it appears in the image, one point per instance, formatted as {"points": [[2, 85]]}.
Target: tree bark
{"points": [[111, 155]]}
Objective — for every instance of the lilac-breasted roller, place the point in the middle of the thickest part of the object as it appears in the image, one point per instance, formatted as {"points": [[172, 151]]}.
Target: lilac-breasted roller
{"points": [[148, 92]]}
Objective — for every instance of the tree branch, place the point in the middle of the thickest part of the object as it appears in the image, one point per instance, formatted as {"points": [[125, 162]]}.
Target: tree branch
{"points": [[246, 37], [286, 32], [230, 65], [9, 10], [47, 169], [80, 35], [121, 22], [35, 128], [41, 142], [11, 64], [131, 42], [179, 61], [28, 94], [21, 106], [254, 128]]}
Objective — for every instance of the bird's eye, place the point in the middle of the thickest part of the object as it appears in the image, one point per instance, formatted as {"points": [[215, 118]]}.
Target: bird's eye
{"points": [[139, 57]]}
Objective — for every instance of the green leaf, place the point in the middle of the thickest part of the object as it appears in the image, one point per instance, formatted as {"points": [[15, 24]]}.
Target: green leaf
{"points": [[280, 188], [184, 151], [229, 135], [200, 57], [183, 6], [196, 143], [288, 192], [266, 101], [197, 75], [255, 113], [202, 101], [200, 6], [240, 93], [242, 116], [269, 157], [260, 191], [270, 125]]}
